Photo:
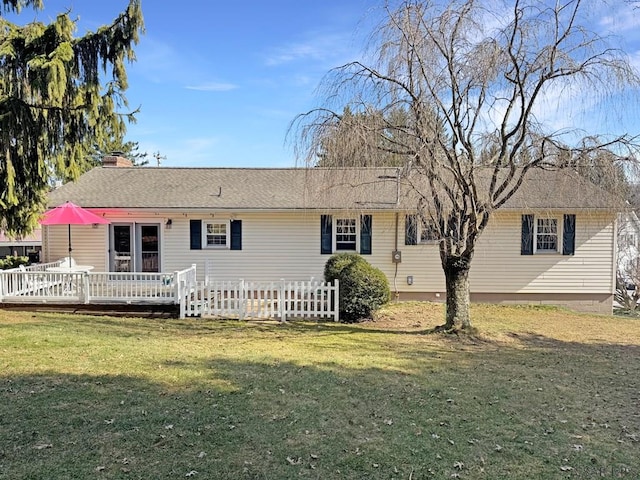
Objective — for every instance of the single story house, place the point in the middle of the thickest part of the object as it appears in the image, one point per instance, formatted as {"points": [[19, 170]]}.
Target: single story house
{"points": [[553, 242]]}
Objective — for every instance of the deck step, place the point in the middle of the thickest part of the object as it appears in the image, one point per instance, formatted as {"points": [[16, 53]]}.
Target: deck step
{"points": [[112, 310]]}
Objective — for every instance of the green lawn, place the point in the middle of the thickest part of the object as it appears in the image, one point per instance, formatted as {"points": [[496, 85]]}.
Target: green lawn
{"points": [[540, 393]]}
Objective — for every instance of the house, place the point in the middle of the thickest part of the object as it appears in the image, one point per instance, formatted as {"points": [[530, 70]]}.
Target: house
{"points": [[25, 246], [628, 248], [553, 242]]}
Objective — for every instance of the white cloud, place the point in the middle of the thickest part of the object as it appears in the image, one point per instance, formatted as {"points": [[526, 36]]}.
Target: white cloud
{"points": [[213, 87], [161, 63], [157, 60], [622, 19], [186, 152], [319, 48]]}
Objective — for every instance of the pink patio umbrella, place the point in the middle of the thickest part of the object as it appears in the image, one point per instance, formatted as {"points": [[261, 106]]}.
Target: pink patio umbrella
{"points": [[71, 214]]}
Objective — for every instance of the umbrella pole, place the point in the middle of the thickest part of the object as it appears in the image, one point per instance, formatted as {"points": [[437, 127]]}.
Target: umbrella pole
{"points": [[69, 235]]}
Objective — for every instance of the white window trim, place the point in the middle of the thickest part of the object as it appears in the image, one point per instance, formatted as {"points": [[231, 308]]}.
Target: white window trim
{"points": [[335, 233], [560, 229], [205, 245]]}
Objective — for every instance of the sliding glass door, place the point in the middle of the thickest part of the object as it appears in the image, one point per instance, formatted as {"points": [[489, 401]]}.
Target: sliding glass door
{"points": [[134, 247]]}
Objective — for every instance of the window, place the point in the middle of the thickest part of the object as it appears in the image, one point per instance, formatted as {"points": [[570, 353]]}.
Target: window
{"points": [[546, 235], [215, 234], [428, 232], [208, 234], [419, 232], [346, 233]]}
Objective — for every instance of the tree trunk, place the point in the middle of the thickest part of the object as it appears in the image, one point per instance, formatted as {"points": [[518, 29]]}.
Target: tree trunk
{"points": [[456, 272]]}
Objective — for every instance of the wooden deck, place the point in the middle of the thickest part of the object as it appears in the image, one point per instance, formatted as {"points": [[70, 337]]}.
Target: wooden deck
{"points": [[51, 287], [50, 284], [112, 310]]}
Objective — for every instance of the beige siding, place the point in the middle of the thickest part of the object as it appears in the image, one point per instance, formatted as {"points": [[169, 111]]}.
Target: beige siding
{"points": [[499, 267], [287, 245], [89, 245], [274, 246]]}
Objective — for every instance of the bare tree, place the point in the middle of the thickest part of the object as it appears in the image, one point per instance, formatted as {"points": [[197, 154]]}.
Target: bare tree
{"points": [[486, 74]]}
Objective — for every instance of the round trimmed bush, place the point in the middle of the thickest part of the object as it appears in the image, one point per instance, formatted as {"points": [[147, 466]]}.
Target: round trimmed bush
{"points": [[363, 287], [337, 263]]}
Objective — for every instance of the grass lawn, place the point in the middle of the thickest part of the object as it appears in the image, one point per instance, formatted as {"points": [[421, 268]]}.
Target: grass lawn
{"points": [[540, 393]]}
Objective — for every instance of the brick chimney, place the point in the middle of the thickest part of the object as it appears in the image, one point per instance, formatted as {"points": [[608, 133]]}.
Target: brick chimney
{"points": [[116, 159]]}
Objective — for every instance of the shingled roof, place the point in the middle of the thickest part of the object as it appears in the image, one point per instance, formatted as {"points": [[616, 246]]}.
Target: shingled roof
{"points": [[294, 189]]}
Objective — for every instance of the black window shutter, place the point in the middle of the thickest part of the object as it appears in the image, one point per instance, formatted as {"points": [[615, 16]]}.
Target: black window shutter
{"points": [[326, 235], [526, 244], [365, 234], [236, 234], [195, 230], [411, 230], [569, 235]]}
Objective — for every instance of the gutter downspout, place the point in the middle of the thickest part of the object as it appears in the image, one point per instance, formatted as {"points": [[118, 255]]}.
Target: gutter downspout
{"points": [[395, 274], [395, 245]]}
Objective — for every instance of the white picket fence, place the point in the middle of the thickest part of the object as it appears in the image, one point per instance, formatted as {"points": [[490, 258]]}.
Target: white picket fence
{"points": [[282, 300]]}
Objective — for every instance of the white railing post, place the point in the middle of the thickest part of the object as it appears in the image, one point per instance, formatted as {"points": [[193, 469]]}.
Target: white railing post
{"points": [[176, 287], [336, 301], [182, 299], [85, 288], [241, 300], [282, 308], [206, 299]]}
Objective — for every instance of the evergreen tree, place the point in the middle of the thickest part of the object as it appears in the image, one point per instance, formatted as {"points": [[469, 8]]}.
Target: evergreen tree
{"points": [[56, 91]]}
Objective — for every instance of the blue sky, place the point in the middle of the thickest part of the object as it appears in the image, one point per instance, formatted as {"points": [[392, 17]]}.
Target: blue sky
{"points": [[219, 82]]}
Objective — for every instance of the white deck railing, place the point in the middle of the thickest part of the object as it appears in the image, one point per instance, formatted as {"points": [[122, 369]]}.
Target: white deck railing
{"points": [[282, 299], [40, 267], [35, 285], [130, 287]]}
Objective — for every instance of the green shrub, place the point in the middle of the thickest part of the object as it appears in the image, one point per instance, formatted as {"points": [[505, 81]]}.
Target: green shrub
{"points": [[13, 262], [363, 288], [337, 263]]}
